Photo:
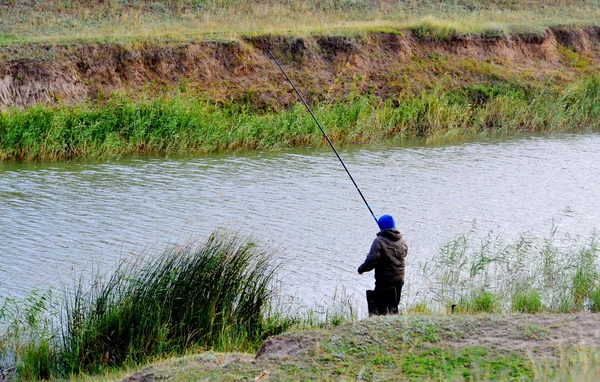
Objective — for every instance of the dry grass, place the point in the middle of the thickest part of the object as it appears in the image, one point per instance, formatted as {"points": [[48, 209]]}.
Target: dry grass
{"points": [[69, 20]]}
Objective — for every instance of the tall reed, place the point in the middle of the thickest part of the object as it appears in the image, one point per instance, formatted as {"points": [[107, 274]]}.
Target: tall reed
{"points": [[217, 294], [192, 124], [27, 336], [529, 274], [214, 295]]}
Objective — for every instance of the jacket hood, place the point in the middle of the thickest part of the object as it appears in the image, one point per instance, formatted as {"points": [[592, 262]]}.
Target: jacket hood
{"points": [[391, 233]]}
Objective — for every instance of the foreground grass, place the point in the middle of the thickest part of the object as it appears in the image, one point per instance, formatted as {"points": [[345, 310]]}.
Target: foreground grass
{"points": [[215, 295], [527, 275], [409, 347], [69, 20], [192, 124]]}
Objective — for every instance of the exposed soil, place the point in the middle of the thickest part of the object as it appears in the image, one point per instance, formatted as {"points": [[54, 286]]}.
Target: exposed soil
{"points": [[543, 334], [539, 338], [288, 346], [324, 67]]}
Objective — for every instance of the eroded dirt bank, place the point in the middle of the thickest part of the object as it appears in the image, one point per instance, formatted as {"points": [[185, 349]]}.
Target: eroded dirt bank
{"points": [[325, 67]]}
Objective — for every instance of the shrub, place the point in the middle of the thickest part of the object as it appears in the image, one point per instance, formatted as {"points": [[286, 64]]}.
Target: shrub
{"points": [[595, 300], [527, 302], [480, 302]]}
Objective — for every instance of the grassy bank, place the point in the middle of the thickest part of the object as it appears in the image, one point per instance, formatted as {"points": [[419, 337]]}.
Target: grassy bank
{"points": [[409, 348], [214, 295], [217, 296], [69, 20], [184, 124], [482, 277]]}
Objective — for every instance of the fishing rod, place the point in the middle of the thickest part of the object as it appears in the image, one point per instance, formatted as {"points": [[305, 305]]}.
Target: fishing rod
{"points": [[320, 127]]}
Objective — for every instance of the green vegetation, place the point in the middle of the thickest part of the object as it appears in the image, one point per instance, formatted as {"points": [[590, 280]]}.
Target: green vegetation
{"points": [[185, 124], [595, 300], [442, 29], [217, 295], [401, 348], [68, 20], [529, 275], [467, 363], [527, 302], [480, 301], [26, 336]]}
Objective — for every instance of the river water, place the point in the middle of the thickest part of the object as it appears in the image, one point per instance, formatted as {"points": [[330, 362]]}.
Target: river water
{"points": [[61, 220]]}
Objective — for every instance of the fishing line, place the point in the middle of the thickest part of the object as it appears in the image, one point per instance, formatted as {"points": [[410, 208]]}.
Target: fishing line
{"points": [[320, 127]]}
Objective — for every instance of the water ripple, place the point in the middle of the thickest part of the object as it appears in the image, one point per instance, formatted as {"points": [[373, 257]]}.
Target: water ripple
{"points": [[59, 221]]}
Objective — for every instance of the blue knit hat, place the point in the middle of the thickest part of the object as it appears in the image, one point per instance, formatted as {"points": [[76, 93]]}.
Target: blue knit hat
{"points": [[386, 222]]}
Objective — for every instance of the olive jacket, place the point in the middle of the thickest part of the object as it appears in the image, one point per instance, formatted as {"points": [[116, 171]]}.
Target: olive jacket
{"points": [[388, 257]]}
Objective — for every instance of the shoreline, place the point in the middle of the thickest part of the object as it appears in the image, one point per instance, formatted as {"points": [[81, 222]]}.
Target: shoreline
{"points": [[412, 347]]}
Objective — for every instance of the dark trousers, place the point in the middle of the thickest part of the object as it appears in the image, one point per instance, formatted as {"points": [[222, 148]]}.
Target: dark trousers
{"points": [[384, 299]]}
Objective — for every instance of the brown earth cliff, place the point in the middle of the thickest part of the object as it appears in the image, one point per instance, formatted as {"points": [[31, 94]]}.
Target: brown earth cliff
{"points": [[325, 68]]}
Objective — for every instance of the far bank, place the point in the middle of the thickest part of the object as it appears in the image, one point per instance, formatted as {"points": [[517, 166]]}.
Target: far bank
{"points": [[98, 100]]}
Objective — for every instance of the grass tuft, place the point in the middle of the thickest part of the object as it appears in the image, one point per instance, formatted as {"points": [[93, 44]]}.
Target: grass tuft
{"points": [[216, 295], [528, 275], [595, 300], [444, 30], [482, 301], [527, 302]]}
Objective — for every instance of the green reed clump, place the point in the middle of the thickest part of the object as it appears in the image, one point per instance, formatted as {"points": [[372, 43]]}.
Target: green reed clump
{"points": [[481, 301], [527, 302], [191, 124], [595, 300], [215, 295], [26, 337], [528, 275]]}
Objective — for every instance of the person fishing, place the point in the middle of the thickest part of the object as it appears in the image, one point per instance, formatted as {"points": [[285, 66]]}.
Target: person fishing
{"points": [[388, 252], [388, 257]]}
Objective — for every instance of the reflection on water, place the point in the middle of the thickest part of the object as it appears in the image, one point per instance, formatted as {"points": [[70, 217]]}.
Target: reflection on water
{"points": [[61, 220]]}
